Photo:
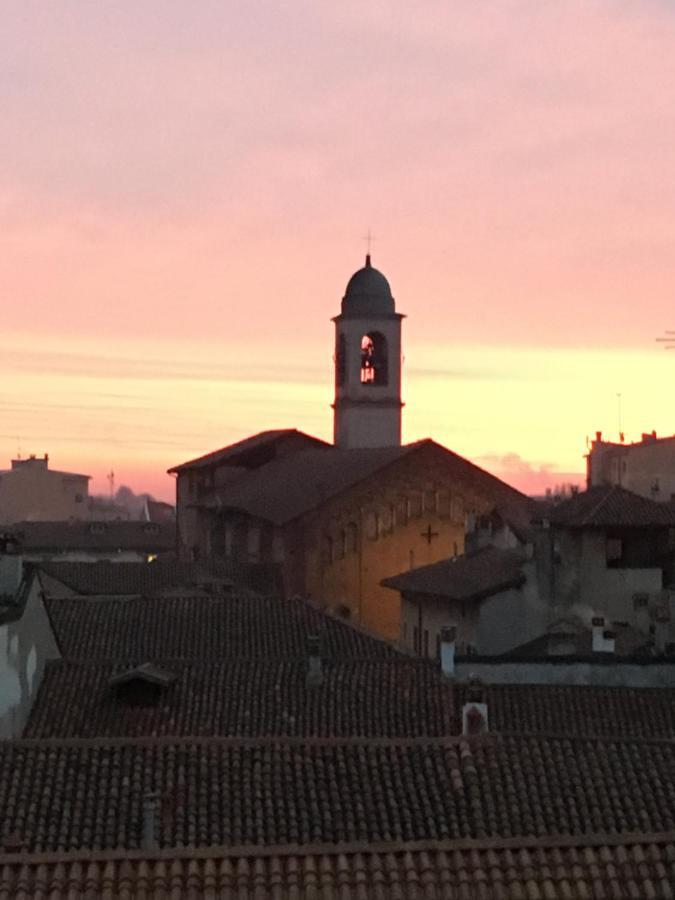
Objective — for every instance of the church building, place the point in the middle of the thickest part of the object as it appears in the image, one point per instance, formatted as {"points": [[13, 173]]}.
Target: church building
{"points": [[339, 518]]}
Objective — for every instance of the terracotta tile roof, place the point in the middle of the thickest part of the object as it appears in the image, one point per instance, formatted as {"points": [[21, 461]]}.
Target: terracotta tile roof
{"points": [[606, 869], [66, 795], [120, 578], [379, 697], [202, 628], [142, 537], [157, 577], [579, 710], [238, 453], [471, 576], [295, 483], [610, 505], [386, 696]]}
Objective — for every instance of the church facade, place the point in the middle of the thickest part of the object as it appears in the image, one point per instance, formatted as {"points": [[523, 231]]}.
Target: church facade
{"points": [[339, 518]]}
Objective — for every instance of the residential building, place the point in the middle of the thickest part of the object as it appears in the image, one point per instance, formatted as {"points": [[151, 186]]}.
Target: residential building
{"points": [[85, 541], [32, 492], [645, 467]]}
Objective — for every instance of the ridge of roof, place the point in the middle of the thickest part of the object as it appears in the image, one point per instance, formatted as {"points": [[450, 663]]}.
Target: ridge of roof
{"points": [[218, 851], [241, 446], [608, 505], [469, 742]]}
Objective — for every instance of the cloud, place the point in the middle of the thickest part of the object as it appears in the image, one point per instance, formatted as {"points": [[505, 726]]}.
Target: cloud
{"points": [[530, 478]]}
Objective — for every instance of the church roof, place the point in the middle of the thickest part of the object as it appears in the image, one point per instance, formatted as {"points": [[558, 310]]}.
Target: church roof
{"points": [[368, 293], [251, 451], [296, 483]]}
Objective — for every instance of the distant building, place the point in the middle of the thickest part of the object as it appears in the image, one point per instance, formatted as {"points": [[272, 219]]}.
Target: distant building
{"points": [[646, 467], [32, 492], [93, 541], [158, 512]]}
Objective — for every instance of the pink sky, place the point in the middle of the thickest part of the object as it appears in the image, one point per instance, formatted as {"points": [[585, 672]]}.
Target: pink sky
{"points": [[184, 189]]}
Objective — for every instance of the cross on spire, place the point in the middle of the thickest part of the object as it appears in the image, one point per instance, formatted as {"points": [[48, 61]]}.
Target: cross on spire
{"points": [[368, 238]]}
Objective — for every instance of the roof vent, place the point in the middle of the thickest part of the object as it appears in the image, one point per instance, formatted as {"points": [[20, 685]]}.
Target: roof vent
{"points": [[603, 640], [314, 664], [150, 825]]}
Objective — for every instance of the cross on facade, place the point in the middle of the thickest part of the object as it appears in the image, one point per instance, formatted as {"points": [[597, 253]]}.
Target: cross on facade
{"points": [[369, 238], [429, 534]]}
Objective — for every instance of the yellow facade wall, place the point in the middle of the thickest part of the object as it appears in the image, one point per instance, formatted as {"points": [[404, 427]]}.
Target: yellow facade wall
{"points": [[419, 506]]}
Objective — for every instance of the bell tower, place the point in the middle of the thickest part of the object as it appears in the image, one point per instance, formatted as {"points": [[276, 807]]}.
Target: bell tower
{"points": [[367, 364]]}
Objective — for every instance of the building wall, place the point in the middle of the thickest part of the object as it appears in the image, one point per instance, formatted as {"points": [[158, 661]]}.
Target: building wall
{"points": [[422, 619], [646, 468], [514, 616], [31, 492], [25, 646], [393, 515]]}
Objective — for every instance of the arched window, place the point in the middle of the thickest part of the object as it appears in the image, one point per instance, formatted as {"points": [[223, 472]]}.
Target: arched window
{"points": [[341, 360], [374, 369]]}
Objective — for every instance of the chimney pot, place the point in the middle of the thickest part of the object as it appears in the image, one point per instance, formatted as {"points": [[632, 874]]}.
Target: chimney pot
{"points": [[448, 643], [314, 664], [150, 808]]}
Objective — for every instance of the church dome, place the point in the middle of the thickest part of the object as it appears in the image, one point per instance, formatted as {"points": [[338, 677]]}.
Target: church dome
{"points": [[368, 293]]}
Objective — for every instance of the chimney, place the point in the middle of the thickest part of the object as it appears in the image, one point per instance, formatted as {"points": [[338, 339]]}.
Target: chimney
{"points": [[475, 710], [603, 640], [448, 639], [11, 565], [150, 829], [661, 628], [598, 436], [314, 667]]}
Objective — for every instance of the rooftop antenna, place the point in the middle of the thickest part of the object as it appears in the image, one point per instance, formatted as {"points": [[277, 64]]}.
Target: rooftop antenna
{"points": [[111, 482], [622, 436]]}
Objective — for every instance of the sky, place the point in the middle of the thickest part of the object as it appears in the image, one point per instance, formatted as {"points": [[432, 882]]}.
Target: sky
{"points": [[185, 189]]}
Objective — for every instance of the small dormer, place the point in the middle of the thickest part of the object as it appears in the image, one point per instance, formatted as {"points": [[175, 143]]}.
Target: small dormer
{"points": [[143, 685]]}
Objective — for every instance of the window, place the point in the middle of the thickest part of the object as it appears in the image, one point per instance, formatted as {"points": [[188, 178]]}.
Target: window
{"points": [[443, 502], [351, 538], [613, 550], [79, 498], [371, 526], [415, 505], [386, 520], [640, 601], [457, 508], [374, 368], [402, 512], [341, 361], [425, 647], [430, 501], [327, 550]]}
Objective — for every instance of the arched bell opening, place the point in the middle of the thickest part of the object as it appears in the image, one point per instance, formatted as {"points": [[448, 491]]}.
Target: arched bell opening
{"points": [[374, 363]]}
